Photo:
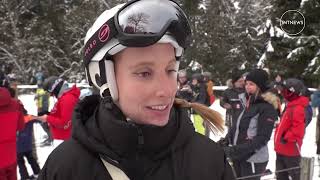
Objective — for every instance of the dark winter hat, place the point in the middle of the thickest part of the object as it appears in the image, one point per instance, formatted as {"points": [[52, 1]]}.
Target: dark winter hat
{"points": [[236, 75], [260, 78], [53, 84], [294, 85]]}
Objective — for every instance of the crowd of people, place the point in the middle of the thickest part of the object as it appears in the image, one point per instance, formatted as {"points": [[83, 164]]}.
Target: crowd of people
{"points": [[17, 137], [150, 120], [252, 114]]}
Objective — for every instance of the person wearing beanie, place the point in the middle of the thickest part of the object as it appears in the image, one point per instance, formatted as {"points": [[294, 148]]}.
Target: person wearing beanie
{"points": [[136, 128], [59, 119], [230, 99], [260, 78], [248, 138], [291, 129]]}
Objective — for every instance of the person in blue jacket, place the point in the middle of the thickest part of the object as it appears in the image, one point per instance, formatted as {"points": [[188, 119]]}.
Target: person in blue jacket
{"points": [[24, 149]]}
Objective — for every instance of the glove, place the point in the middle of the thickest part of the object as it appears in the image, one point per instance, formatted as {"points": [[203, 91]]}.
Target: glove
{"points": [[223, 142]]}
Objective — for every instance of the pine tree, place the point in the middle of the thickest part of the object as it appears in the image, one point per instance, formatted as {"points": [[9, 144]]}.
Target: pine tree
{"points": [[297, 56]]}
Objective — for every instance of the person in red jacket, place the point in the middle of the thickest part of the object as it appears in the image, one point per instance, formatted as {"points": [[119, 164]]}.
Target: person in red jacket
{"points": [[11, 121], [290, 131], [59, 119]]}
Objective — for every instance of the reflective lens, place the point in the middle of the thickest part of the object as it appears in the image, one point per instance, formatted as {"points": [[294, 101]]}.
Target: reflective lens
{"points": [[141, 23], [150, 20]]}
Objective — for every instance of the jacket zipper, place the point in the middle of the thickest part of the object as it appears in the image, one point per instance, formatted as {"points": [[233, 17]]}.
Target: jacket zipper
{"points": [[140, 139]]}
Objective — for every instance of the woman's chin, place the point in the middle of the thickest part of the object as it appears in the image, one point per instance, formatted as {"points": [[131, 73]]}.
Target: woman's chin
{"points": [[156, 121], [160, 122]]}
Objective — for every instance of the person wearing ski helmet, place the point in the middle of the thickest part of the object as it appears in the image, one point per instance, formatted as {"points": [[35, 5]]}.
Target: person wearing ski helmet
{"points": [[135, 128], [289, 133], [59, 119]]}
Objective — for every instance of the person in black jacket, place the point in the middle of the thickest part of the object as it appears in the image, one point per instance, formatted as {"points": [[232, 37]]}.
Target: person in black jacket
{"points": [[136, 129], [199, 89], [248, 138], [230, 99]]}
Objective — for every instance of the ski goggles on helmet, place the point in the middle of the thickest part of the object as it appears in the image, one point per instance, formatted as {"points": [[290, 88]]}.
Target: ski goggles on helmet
{"points": [[141, 23]]}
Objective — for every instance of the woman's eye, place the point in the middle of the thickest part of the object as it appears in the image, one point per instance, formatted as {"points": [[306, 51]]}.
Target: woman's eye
{"points": [[144, 74], [172, 71]]}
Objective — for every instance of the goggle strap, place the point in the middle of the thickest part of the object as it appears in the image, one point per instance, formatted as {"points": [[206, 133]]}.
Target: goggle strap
{"points": [[100, 38]]}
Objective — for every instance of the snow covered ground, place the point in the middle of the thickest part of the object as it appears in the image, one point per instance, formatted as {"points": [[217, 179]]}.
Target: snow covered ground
{"points": [[308, 148]]}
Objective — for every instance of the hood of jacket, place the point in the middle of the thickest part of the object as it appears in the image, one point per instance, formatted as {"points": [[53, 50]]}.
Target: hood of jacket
{"points": [[271, 98], [101, 127], [5, 97], [268, 97], [73, 91]]}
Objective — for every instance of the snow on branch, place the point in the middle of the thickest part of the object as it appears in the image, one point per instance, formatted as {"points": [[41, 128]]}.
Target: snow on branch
{"points": [[270, 47], [261, 60], [12, 58], [295, 52]]}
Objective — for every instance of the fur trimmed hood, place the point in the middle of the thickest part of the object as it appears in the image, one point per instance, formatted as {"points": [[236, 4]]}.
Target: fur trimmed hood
{"points": [[271, 99]]}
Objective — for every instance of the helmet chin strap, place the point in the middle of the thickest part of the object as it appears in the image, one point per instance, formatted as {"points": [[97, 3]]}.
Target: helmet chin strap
{"points": [[103, 88], [111, 81]]}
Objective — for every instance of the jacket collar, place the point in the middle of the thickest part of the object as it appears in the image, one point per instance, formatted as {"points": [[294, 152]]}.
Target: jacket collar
{"points": [[301, 100], [101, 127]]}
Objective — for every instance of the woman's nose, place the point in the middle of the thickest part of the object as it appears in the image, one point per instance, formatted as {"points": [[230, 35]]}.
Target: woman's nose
{"points": [[165, 87]]}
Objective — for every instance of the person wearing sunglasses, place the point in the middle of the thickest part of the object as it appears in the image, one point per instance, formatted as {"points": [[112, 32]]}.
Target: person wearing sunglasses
{"points": [[136, 128]]}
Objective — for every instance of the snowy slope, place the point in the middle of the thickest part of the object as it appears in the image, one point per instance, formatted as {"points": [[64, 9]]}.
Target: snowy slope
{"points": [[308, 148]]}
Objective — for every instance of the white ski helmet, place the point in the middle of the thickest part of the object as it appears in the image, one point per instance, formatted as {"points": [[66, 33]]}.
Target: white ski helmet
{"points": [[112, 33]]}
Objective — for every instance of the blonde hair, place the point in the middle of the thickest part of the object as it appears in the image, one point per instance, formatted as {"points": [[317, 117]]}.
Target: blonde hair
{"points": [[212, 118]]}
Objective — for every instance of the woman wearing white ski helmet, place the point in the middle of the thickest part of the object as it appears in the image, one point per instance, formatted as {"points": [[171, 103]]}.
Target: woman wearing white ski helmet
{"points": [[136, 128], [125, 26]]}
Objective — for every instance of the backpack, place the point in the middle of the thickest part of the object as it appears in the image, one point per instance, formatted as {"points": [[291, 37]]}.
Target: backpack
{"points": [[308, 114]]}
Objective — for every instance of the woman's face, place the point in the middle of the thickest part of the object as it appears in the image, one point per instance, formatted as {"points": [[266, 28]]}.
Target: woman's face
{"points": [[147, 83], [278, 78], [182, 79], [251, 87]]}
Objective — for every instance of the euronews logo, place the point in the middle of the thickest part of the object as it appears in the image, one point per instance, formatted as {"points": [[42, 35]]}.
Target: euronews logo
{"points": [[292, 22]]}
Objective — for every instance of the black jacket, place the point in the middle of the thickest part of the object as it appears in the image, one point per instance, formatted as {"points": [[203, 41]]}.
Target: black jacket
{"points": [[174, 151], [231, 96], [185, 91], [200, 94], [251, 133]]}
